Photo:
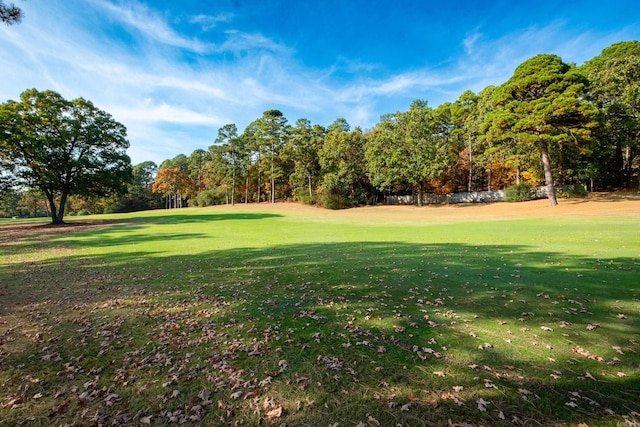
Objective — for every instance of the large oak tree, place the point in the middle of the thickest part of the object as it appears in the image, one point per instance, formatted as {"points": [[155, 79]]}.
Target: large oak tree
{"points": [[63, 148]]}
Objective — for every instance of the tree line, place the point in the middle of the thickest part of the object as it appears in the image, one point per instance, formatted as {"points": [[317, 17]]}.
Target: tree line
{"points": [[552, 123]]}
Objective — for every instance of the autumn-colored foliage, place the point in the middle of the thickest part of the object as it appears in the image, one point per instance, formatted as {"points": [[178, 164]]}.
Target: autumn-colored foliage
{"points": [[174, 184]]}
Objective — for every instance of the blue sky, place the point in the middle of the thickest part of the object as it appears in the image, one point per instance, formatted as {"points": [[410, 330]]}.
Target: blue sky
{"points": [[173, 72]]}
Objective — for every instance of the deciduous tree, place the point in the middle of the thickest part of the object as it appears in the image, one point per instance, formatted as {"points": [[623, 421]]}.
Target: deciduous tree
{"points": [[408, 148], [175, 185], [343, 163], [63, 147], [615, 88]]}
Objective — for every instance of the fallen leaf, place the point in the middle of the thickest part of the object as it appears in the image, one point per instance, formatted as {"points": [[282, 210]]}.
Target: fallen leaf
{"points": [[275, 413], [372, 421], [482, 405], [146, 420]]}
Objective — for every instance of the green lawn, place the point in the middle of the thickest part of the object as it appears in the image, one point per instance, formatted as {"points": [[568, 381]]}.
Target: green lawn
{"points": [[238, 317]]}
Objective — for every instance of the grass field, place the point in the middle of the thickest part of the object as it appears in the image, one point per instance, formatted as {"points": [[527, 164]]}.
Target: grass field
{"points": [[502, 314]]}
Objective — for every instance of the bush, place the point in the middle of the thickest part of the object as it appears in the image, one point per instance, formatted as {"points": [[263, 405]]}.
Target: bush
{"points": [[212, 197], [302, 196], [518, 193], [333, 201], [574, 191]]}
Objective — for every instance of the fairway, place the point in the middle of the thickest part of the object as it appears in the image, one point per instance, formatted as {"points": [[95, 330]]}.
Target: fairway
{"points": [[284, 314]]}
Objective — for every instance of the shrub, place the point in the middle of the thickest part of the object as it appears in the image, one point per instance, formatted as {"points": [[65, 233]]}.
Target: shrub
{"points": [[574, 191], [302, 196], [518, 193], [333, 201], [211, 197]]}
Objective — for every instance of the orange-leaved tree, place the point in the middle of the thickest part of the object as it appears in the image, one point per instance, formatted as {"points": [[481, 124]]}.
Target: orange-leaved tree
{"points": [[175, 185]]}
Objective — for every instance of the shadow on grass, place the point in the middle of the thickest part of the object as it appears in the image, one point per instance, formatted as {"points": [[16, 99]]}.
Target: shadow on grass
{"points": [[28, 235], [366, 305], [185, 217]]}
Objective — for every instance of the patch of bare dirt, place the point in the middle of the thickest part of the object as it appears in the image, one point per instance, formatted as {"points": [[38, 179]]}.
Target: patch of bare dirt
{"points": [[10, 232]]}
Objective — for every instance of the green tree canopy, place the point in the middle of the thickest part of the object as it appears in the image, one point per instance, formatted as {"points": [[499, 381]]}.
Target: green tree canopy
{"points": [[408, 148], [342, 160], [541, 104], [9, 13], [304, 144], [63, 147], [615, 88]]}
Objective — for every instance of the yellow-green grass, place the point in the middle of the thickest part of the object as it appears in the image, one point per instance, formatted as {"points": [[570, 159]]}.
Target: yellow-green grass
{"points": [[282, 314]]}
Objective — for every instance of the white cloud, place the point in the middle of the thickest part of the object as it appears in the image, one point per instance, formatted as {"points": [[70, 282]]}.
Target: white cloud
{"points": [[172, 106], [209, 22], [493, 61], [150, 112], [150, 24]]}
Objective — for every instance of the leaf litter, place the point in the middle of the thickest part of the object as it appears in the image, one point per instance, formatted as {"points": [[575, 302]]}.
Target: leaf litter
{"points": [[155, 345]]}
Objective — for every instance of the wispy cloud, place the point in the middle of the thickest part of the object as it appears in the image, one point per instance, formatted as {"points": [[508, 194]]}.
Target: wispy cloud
{"points": [[208, 22], [150, 24], [155, 27], [148, 111], [408, 83], [171, 105], [492, 61]]}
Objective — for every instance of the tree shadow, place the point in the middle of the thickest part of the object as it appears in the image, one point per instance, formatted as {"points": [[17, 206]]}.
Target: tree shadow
{"points": [[433, 316]]}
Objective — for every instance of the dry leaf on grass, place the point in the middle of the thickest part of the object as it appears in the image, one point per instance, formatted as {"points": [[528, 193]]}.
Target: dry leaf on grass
{"points": [[275, 413]]}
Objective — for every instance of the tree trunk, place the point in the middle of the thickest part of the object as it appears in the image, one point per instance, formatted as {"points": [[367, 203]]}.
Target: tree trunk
{"points": [[63, 202], [627, 167], [246, 190], [470, 187], [310, 192], [52, 208], [273, 188], [548, 175], [273, 178], [259, 167], [57, 214], [233, 188], [619, 161], [420, 203]]}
